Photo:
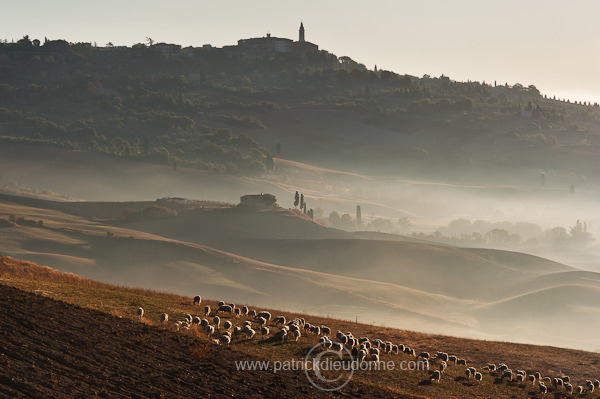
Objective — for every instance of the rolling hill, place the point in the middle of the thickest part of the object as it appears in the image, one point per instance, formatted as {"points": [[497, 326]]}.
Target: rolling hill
{"points": [[258, 256], [55, 343]]}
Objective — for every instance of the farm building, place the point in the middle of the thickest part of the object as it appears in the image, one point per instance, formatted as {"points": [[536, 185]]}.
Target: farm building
{"points": [[258, 201]]}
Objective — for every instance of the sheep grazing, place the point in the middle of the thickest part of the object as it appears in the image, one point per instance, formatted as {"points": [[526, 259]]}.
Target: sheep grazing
{"points": [[491, 367], [538, 375], [424, 355], [531, 378], [197, 300], [297, 335], [566, 378], [206, 310], [336, 346], [221, 303], [596, 383], [325, 330], [557, 383], [375, 357], [225, 339], [568, 388], [520, 378], [265, 315], [237, 312], [261, 321], [435, 376], [164, 318], [224, 308], [281, 334], [216, 321], [140, 313], [245, 310], [279, 320], [227, 325], [195, 320], [453, 359], [210, 330], [249, 333], [461, 362], [478, 377], [443, 365], [543, 388], [507, 374], [252, 312], [361, 355], [468, 373], [237, 331], [442, 356], [264, 331], [579, 390]]}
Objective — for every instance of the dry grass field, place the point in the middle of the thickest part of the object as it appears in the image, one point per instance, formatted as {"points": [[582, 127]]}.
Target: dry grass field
{"points": [[155, 360]]}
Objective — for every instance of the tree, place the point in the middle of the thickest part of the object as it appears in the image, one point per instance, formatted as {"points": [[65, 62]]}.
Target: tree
{"points": [[359, 221], [301, 201], [296, 199]]}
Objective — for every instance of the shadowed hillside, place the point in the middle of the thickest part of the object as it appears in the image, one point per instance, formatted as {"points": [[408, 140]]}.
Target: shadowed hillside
{"points": [[147, 359], [214, 247]]}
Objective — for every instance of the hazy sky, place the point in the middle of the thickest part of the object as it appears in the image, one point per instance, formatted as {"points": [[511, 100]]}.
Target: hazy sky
{"points": [[551, 44]]}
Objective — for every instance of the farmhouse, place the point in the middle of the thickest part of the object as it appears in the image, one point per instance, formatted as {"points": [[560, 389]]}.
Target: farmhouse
{"points": [[258, 201]]}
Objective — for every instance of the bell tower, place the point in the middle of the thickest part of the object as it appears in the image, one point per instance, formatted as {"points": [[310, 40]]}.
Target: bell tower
{"points": [[301, 37]]}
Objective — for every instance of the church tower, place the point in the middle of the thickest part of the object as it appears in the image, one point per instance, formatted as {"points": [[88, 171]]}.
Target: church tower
{"points": [[301, 38]]}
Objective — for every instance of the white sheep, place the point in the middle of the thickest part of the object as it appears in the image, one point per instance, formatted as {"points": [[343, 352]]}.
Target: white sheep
{"points": [[245, 310], [225, 339], [281, 334], [164, 318], [265, 315], [221, 303], [264, 331], [206, 310], [197, 300], [443, 365], [224, 308], [261, 321], [216, 321], [251, 312], [140, 313], [297, 335], [436, 376], [478, 377], [249, 333], [237, 312], [210, 330], [543, 388], [227, 325], [569, 388]]}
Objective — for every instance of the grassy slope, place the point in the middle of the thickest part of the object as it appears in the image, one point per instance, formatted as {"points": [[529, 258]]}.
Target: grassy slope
{"points": [[123, 302]]}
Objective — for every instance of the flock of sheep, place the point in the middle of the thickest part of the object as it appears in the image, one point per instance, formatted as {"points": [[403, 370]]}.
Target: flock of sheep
{"points": [[363, 349]]}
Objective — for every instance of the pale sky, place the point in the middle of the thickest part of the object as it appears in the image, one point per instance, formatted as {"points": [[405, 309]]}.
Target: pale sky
{"points": [[551, 44]]}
